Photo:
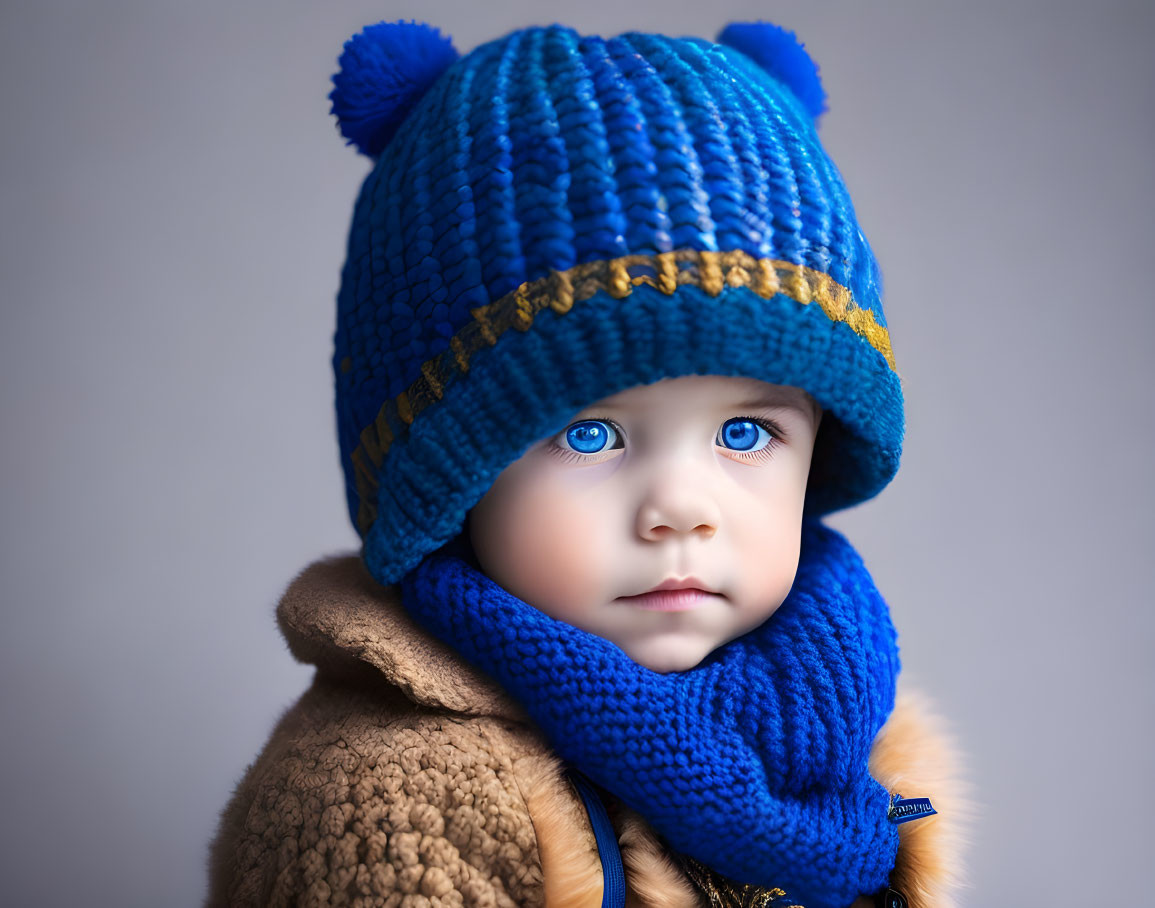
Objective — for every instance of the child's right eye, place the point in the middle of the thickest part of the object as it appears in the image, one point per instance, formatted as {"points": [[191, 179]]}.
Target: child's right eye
{"points": [[590, 436]]}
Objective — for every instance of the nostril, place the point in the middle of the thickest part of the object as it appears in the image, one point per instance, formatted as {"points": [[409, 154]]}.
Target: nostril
{"points": [[661, 531], [666, 515]]}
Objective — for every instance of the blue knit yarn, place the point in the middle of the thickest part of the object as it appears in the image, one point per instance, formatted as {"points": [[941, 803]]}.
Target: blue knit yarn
{"points": [[754, 762]]}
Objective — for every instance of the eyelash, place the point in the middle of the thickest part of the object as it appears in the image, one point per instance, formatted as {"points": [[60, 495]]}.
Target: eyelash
{"points": [[762, 454], [775, 432], [570, 456]]}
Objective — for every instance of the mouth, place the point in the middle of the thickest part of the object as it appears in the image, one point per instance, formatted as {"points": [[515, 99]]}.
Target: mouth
{"points": [[674, 595]]}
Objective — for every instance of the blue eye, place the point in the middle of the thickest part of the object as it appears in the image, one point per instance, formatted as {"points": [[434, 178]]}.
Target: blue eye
{"points": [[591, 436], [744, 435]]}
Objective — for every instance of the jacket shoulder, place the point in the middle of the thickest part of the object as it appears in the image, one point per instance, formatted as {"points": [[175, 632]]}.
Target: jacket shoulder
{"points": [[358, 797]]}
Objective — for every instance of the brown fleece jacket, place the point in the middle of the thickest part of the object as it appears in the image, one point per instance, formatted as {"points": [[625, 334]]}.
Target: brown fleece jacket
{"points": [[404, 777]]}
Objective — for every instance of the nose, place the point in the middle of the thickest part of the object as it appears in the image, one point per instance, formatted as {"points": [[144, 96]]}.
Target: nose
{"points": [[677, 503]]}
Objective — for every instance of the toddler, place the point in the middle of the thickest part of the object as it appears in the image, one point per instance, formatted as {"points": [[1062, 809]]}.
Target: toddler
{"points": [[610, 342]]}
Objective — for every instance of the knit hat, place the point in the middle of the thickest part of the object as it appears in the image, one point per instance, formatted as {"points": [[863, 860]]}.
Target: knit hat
{"points": [[554, 218]]}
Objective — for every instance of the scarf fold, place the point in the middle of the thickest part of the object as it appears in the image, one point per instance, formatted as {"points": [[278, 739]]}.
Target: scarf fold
{"points": [[755, 761]]}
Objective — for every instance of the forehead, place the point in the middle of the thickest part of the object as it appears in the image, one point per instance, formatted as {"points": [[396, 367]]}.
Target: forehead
{"points": [[712, 391]]}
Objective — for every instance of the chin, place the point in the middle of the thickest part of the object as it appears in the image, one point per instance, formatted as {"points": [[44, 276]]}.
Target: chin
{"points": [[666, 657]]}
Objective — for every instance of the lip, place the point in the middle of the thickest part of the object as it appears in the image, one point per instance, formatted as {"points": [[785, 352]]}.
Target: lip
{"points": [[681, 583], [677, 594]]}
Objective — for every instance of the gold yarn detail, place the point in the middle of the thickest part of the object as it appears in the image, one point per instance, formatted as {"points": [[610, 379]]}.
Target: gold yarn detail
{"points": [[667, 280], [710, 269], [619, 284], [522, 308], [766, 283], [481, 319], [404, 408], [721, 892], [560, 291], [432, 379], [460, 357], [561, 300], [371, 445], [794, 284]]}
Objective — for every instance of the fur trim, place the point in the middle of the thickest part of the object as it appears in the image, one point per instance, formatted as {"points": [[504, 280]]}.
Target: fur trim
{"points": [[915, 755], [652, 879], [570, 867]]}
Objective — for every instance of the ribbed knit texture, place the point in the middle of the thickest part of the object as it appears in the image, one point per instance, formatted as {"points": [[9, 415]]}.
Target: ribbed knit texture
{"points": [[754, 762], [544, 150]]}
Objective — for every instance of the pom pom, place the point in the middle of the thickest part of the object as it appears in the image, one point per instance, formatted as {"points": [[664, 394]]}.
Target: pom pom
{"points": [[385, 70], [782, 55]]}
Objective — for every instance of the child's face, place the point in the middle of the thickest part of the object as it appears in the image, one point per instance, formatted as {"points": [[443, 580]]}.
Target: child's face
{"points": [[695, 483]]}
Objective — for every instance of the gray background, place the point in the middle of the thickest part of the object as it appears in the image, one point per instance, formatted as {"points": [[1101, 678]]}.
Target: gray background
{"points": [[175, 201]]}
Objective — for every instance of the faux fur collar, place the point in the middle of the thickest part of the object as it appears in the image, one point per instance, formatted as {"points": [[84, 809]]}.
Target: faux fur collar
{"points": [[336, 616]]}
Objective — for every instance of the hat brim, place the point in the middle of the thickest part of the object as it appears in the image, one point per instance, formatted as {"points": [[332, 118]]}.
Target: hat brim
{"points": [[530, 382]]}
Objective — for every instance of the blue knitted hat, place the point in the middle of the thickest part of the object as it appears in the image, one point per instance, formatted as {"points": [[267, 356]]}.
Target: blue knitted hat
{"points": [[554, 218]]}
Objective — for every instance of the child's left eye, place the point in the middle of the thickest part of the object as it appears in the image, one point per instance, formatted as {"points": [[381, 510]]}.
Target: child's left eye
{"points": [[744, 435]]}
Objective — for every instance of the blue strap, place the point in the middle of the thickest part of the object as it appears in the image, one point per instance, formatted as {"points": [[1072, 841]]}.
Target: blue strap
{"points": [[613, 875]]}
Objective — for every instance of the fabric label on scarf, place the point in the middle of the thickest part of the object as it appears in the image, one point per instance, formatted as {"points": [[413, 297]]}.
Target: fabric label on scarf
{"points": [[903, 810]]}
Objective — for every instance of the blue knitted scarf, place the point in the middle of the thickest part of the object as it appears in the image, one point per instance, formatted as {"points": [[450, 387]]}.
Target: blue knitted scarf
{"points": [[755, 761]]}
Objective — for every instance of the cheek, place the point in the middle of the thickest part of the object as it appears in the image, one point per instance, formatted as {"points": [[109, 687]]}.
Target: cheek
{"points": [[539, 540], [766, 546], [766, 531]]}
